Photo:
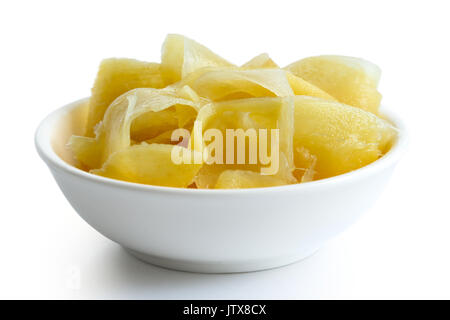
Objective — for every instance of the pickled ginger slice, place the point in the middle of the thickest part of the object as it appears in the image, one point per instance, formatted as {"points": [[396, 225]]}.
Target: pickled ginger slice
{"points": [[113, 133], [302, 87], [149, 164], [352, 81], [238, 179], [152, 124], [182, 56], [262, 61], [249, 116], [115, 77], [208, 175], [342, 138], [232, 84], [86, 152]]}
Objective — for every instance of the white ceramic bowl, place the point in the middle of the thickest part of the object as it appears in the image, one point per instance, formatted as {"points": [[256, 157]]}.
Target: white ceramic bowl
{"points": [[212, 230]]}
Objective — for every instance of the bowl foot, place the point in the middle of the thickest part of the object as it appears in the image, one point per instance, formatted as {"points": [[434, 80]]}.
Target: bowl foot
{"points": [[218, 266]]}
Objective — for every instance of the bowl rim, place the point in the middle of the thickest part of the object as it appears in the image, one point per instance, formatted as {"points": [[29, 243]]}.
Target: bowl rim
{"points": [[44, 148]]}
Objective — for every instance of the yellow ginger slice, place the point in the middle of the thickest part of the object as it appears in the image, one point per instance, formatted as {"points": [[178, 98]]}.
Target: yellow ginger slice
{"points": [[262, 61], [350, 80], [182, 56], [301, 87], [337, 137], [149, 164], [208, 175], [232, 84], [151, 124], [237, 179], [245, 114], [113, 133], [115, 77], [86, 152]]}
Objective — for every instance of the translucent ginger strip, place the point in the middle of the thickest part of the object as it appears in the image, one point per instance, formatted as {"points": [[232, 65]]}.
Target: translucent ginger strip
{"points": [[182, 56], [113, 133]]}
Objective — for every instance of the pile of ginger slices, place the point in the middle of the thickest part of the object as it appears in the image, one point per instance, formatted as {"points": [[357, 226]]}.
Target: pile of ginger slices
{"points": [[324, 110]]}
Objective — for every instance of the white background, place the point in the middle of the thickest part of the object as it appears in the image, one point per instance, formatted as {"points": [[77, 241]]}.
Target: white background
{"points": [[50, 52]]}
